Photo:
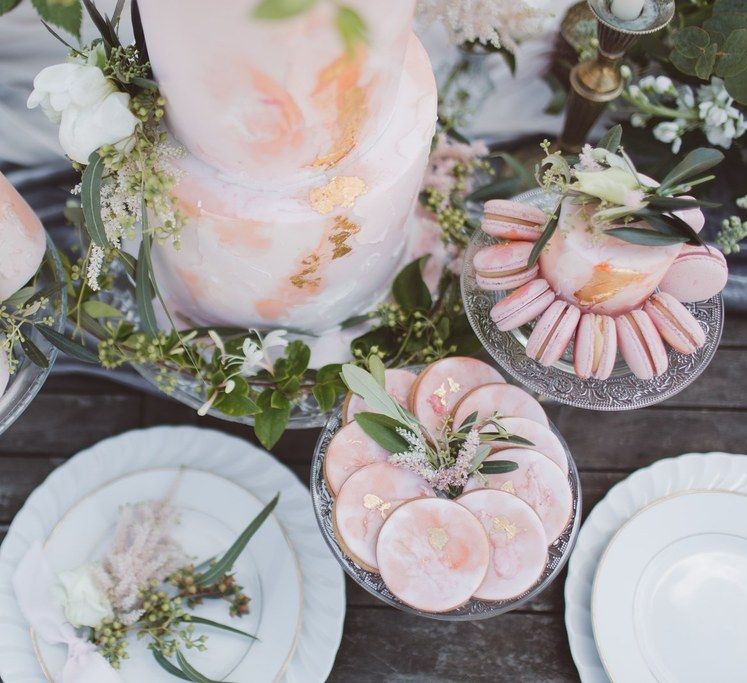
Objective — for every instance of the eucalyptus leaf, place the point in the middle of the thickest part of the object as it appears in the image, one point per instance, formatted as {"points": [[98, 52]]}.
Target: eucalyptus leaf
{"points": [[190, 671], [547, 232], [694, 163], [225, 564], [364, 385], [646, 237], [378, 371], [144, 289], [167, 666], [99, 309], [90, 197], [498, 467], [383, 430], [19, 298], [194, 619], [69, 346], [33, 352], [129, 262]]}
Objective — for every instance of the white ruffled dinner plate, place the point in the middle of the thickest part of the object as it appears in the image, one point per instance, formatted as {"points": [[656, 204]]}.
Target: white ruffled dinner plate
{"points": [[703, 471], [248, 467]]}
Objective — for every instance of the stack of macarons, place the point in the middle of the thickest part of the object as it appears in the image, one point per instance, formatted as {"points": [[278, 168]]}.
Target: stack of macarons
{"points": [[22, 247], [433, 553], [638, 334]]}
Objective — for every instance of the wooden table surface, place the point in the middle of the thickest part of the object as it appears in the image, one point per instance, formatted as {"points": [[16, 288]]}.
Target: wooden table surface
{"points": [[381, 643]]}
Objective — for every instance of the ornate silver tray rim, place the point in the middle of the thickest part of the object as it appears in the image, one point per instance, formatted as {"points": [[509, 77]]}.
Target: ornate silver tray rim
{"points": [[623, 390]]}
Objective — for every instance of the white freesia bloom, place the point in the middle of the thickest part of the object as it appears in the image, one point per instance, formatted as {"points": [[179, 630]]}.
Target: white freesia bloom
{"points": [[617, 186], [87, 105], [83, 602]]}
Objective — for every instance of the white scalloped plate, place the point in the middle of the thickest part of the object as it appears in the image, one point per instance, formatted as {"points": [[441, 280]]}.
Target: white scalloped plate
{"points": [[691, 471], [323, 609]]}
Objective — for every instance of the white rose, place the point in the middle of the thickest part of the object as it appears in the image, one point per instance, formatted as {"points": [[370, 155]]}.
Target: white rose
{"points": [[84, 130], [83, 602], [613, 185], [86, 104]]}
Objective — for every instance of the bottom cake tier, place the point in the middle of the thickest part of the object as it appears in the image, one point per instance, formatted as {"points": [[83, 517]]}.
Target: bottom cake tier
{"points": [[304, 258]]}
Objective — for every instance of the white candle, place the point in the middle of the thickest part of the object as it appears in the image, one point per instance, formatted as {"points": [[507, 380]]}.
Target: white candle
{"points": [[627, 10]]}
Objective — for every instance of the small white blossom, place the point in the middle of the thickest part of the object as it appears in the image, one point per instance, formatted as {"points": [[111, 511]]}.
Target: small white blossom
{"points": [[81, 597], [95, 261], [670, 132]]}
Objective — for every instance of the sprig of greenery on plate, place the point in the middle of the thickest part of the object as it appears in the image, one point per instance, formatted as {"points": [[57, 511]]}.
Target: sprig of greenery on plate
{"points": [[164, 617], [445, 460]]}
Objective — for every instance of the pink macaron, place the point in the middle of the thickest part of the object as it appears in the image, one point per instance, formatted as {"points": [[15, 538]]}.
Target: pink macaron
{"points": [[641, 345], [522, 305], [595, 348], [675, 323], [553, 332], [697, 274], [513, 220], [504, 266]]}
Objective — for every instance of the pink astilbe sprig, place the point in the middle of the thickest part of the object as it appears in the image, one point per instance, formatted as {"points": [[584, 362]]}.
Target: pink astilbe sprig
{"points": [[142, 550]]}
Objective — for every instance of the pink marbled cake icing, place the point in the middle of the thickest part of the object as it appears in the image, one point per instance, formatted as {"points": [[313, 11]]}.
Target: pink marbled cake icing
{"points": [[600, 273], [22, 241], [277, 101], [305, 256]]}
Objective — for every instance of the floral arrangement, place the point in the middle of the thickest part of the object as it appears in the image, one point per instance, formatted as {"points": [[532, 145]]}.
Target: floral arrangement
{"points": [[144, 585], [622, 204], [445, 460]]}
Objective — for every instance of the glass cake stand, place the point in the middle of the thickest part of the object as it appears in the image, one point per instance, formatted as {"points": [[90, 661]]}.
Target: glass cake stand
{"points": [[622, 390], [28, 378], [558, 554]]}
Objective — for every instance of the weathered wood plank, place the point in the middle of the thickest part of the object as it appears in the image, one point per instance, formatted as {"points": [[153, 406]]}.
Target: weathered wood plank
{"points": [[19, 476], [386, 645], [63, 424]]}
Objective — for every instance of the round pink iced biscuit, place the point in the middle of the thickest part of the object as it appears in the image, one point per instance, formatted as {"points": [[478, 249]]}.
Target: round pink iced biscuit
{"points": [[518, 543], [675, 323], [22, 240], [513, 220], [539, 482], [543, 439], [4, 373], [433, 554], [504, 266], [504, 400], [553, 332], [641, 345], [595, 348], [398, 384], [350, 450], [442, 384], [522, 305], [697, 274], [365, 500]]}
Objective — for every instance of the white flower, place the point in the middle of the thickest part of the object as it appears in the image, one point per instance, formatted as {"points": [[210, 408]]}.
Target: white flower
{"points": [[613, 185], [663, 86], [722, 121], [86, 104], [589, 159], [259, 356], [81, 598], [685, 97], [638, 120], [670, 132]]}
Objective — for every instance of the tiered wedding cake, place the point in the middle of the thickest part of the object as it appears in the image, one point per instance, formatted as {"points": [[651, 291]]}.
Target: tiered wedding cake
{"points": [[304, 157]]}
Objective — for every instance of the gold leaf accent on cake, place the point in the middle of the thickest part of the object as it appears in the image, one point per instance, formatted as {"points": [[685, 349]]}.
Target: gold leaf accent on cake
{"points": [[344, 229], [453, 386], [437, 537], [508, 487], [605, 283], [309, 266], [372, 502], [339, 88], [440, 394], [504, 524], [340, 191]]}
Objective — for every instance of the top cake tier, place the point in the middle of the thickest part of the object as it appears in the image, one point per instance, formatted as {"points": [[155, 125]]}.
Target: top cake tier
{"points": [[275, 101]]}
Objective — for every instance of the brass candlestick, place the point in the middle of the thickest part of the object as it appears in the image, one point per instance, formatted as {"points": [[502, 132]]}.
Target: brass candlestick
{"points": [[596, 82]]}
